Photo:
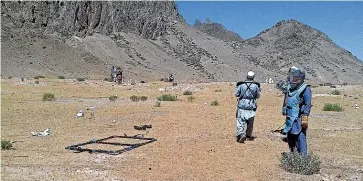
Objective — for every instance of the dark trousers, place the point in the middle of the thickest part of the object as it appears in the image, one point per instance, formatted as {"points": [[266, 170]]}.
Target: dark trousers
{"points": [[298, 142]]}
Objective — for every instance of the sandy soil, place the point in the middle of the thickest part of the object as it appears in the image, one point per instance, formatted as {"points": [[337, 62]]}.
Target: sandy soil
{"points": [[195, 140]]}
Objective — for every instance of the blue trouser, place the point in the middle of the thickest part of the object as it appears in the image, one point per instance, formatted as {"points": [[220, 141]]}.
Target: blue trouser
{"points": [[298, 141]]}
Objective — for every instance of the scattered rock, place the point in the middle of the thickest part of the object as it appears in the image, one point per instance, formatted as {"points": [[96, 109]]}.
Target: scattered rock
{"points": [[80, 113], [46, 132]]}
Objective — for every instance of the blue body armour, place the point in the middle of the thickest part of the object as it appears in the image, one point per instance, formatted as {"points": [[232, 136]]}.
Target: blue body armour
{"points": [[293, 118]]}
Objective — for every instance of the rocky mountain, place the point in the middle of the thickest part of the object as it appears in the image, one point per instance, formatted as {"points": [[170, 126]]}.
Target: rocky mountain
{"points": [[216, 30], [149, 39], [291, 43]]}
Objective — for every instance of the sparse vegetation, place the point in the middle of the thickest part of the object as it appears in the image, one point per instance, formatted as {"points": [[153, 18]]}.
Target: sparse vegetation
{"points": [[61, 77], [134, 98], [80, 79], [332, 107], [187, 92], [218, 90], [143, 98], [335, 92], [296, 163], [48, 97], [36, 82], [215, 103], [39, 77], [138, 98], [167, 97], [191, 98], [10, 77], [6, 144], [113, 98]]}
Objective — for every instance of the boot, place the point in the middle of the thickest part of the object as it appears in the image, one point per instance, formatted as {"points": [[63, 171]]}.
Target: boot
{"points": [[241, 139], [251, 138]]}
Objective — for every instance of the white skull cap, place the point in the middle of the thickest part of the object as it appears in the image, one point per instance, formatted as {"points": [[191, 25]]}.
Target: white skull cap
{"points": [[250, 74]]}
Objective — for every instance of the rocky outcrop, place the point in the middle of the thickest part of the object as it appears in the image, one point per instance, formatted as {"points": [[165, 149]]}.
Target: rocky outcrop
{"points": [[82, 18], [216, 30]]}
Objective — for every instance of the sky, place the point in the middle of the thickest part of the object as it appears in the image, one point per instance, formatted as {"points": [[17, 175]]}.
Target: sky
{"points": [[340, 21]]}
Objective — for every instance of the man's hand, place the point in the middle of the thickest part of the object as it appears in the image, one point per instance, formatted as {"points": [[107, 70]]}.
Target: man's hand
{"points": [[304, 121]]}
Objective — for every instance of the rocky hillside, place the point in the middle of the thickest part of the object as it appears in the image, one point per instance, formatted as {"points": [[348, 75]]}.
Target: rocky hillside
{"points": [[291, 43], [216, 30], [150, 40]]}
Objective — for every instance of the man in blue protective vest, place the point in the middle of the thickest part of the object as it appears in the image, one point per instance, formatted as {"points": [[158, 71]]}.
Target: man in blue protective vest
{"points": [[296, 108], [247, 92]]}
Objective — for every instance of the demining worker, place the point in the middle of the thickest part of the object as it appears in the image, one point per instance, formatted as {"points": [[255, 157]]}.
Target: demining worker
{"points": [[247, 92], [297, 106]]}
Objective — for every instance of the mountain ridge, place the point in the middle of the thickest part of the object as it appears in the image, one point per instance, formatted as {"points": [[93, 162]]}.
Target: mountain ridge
{"points": [[150, 40]]}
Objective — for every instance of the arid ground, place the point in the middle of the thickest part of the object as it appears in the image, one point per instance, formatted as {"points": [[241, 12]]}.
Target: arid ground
{"points": [[195, 141]]}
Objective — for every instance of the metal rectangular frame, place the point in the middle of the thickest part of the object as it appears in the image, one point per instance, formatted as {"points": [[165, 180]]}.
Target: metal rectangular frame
{"points": [[78, 147]]}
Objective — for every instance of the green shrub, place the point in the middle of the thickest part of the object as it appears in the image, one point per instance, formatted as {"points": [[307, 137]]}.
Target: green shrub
{"points": [[39, 77], [10, 77], [332, 107], [191, 98], [61, 77], [187, 92], [215, 103], [167, 97], [113, 98], [143, 98], [48, 97], [218, 90], [6, 144], [134, 98], [80, 79], [296, 163], [335, 92], [36, 82], [157, 104]]}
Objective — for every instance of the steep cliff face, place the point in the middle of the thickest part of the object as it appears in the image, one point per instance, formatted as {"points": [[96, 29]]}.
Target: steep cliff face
{"points": [[82, 18]]}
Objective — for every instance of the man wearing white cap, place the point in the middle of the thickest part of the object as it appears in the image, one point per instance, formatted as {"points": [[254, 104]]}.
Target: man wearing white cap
{"points": [[247, 92]]}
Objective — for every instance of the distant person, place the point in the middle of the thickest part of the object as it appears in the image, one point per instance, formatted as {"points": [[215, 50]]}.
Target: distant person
{"points": [[113, 73], [171, 78], [119, 75], [247, 92], [296, 108]]}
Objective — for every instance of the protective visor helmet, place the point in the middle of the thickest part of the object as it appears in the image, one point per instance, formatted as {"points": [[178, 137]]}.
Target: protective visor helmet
{"points": [[296, 77], [293, 70], [250, 75]]}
